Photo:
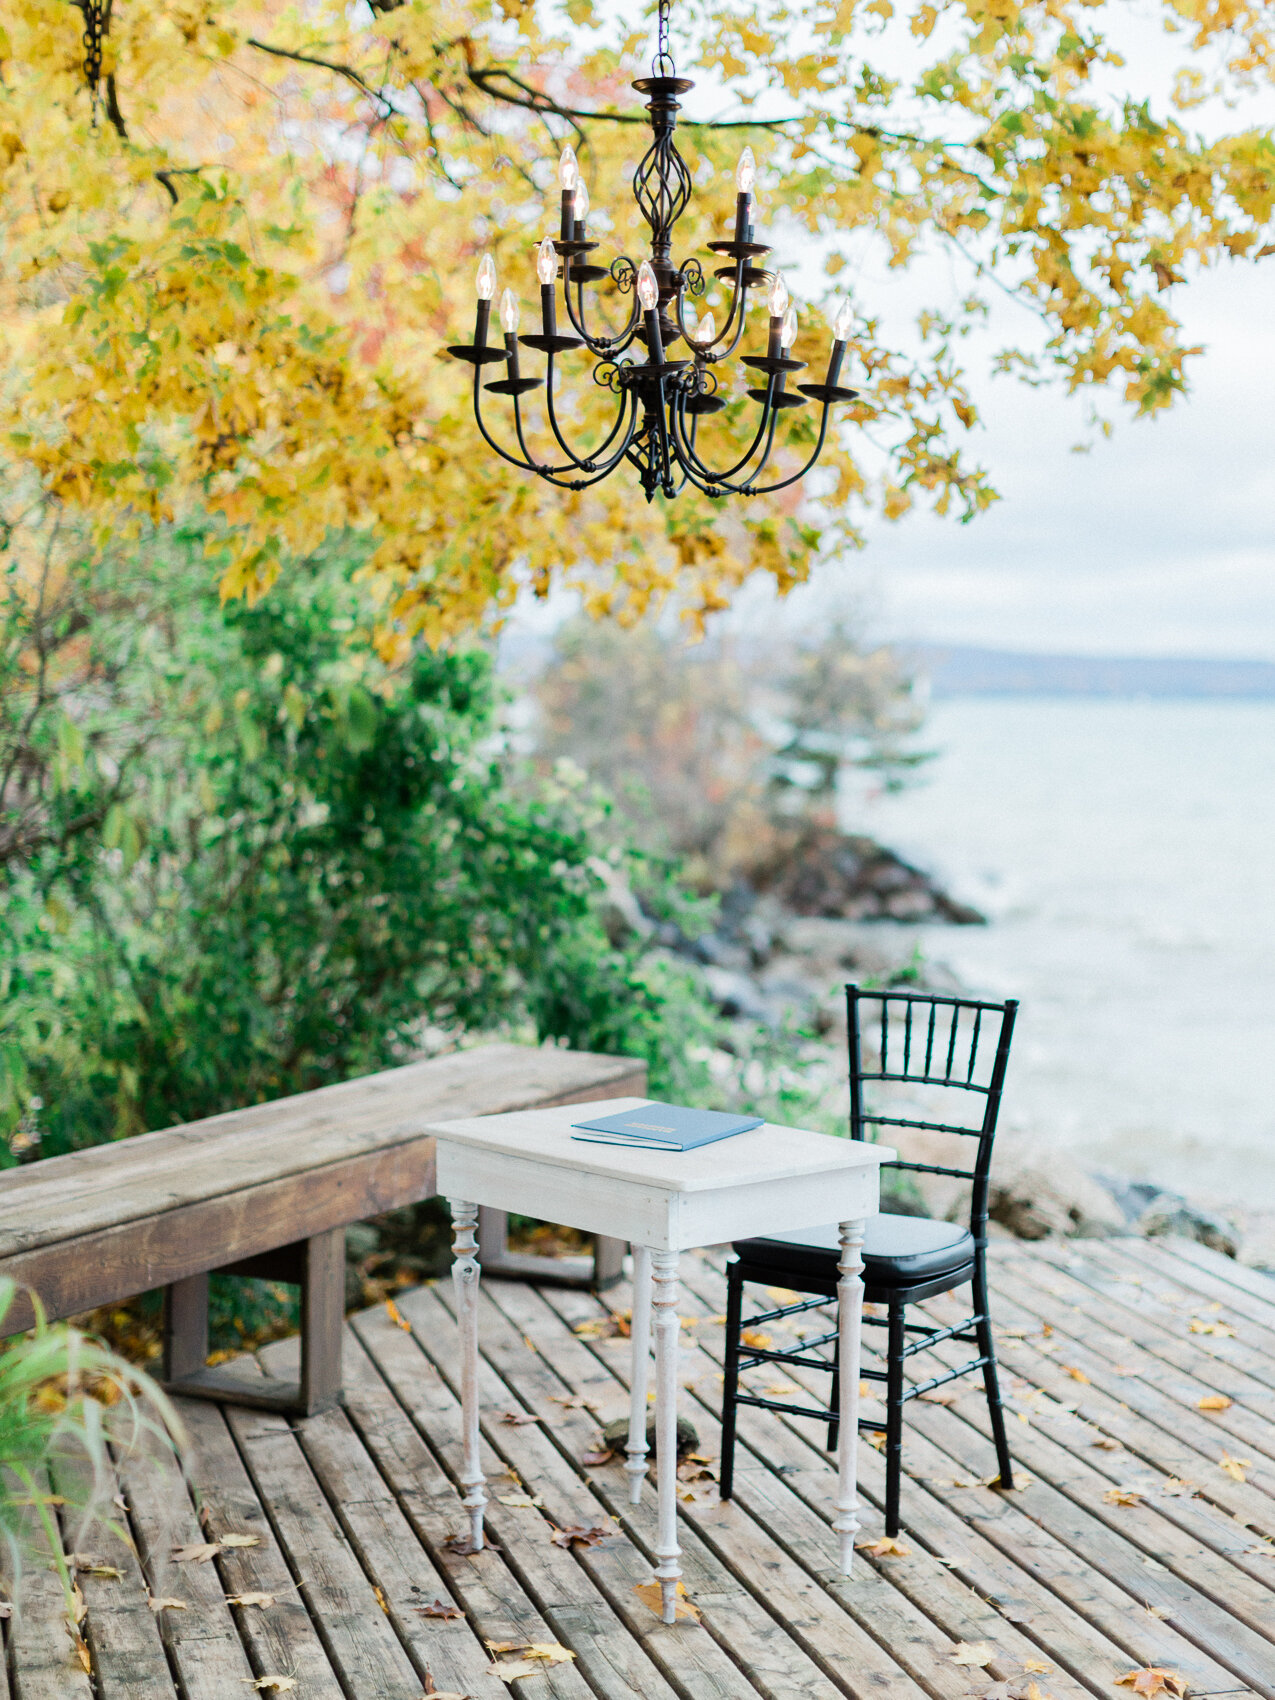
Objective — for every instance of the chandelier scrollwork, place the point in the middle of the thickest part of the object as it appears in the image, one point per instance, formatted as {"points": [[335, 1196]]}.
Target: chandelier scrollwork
{"points": [[660, 401]]}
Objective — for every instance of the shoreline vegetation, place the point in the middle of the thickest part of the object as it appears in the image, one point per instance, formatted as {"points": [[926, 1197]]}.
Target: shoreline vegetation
{"points": [[241, 858]]}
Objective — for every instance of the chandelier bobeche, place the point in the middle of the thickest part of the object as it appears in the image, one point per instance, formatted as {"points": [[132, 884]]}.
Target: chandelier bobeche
{"points": [[660, 401]]}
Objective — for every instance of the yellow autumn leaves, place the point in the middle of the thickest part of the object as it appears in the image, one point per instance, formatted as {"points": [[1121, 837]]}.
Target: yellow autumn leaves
{"points": [[235, 288]]}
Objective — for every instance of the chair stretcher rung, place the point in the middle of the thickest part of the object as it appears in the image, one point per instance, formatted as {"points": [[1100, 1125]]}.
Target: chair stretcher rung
{"points": [[785, 1310], [820, 1416], [957, 1331], [942, 1380], [755, 1356]]}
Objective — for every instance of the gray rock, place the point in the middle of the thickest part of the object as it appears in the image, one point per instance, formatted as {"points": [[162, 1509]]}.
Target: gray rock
{"points": [[1046, 1195], [736, 995], [1172, 1215]]}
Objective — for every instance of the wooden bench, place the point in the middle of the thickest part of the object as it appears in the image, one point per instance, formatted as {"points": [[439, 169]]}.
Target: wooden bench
{"points": [[267, 1191]]}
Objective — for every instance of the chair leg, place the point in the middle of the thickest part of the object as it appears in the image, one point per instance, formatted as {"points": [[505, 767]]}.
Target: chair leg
{"points": [[730, 1379], [834, 1403], [991, 1381], [895, 1339]]}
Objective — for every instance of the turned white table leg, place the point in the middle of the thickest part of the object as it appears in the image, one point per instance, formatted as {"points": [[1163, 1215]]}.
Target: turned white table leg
{"points": [[668, 1570], [465, 1274], [850, 1324], [640, 1331]]}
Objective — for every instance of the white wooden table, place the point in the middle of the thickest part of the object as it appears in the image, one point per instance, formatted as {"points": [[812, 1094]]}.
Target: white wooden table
{"points": [[770, 1180]]}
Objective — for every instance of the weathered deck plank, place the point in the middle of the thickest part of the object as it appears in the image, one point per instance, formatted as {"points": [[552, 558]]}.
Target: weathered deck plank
{"points": [[1070, 1611], [354, 1509]]}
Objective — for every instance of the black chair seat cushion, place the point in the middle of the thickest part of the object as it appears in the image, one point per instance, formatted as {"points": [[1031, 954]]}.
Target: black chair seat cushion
{"points": [[898, 1251]]}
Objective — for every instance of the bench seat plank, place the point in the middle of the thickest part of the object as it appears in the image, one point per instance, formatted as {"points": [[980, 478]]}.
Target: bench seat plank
{"points": [[100, 1225]]}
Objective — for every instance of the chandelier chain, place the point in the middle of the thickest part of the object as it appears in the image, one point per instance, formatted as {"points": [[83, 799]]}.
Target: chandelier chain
{"points": [[94, 12], [662, 65]]}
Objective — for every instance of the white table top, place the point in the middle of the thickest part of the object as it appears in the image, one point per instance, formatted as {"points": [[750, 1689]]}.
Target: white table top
{"points": [[771, 1152]]}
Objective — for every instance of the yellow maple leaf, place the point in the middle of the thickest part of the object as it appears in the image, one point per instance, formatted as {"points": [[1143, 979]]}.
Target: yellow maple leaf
{"points": [[1214, 1402], [884, 1546], [1235, 1467], [1151, 1680]]}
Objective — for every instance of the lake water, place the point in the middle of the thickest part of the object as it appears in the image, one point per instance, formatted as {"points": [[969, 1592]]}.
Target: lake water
{"points": [[1125, 852]]}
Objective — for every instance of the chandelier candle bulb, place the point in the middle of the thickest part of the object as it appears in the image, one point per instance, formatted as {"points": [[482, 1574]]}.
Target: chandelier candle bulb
{"points": [[648, 294], [789, 333], [745, 179], [547, 272], [568, 177], [706, 334], [486, 287], [581, 209]]}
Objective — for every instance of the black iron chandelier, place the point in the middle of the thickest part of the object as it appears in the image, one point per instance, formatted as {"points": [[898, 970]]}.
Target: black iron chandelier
{"points": [[660, 401]]}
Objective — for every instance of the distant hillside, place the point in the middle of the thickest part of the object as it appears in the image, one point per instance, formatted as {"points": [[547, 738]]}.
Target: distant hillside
{"points": [[961, 670]]}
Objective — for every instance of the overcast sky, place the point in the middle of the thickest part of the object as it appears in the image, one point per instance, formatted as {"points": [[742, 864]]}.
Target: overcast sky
{"points": [[1159, 541]]}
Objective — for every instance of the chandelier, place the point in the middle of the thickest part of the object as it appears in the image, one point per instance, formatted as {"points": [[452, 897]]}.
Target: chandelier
{"points": [[659, 401]]}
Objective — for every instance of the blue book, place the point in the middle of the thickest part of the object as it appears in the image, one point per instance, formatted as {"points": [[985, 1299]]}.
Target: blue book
{"points": [[664, 1127]]}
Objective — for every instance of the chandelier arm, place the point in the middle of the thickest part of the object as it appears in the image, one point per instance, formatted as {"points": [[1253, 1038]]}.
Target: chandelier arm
{"points": [[738, 303], [599, 345], [605, 347], [769, 489], [527, 465], [588, 462], [551, 474], [767, 417]]}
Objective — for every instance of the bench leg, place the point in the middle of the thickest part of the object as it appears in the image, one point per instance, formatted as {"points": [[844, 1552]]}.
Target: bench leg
{"points": [[185, 1327], [322, 1318]]}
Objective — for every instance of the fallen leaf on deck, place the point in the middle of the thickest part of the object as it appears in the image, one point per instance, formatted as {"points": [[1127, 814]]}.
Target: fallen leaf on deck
{"points": [[1199, 1326], [777, 1389], [1001, 1691], [940, 1396], [1156, 1611], [783, 1295], [885, 1546], [596, 1328], [519, 1500], [649, 1593], [699, 1458], [1152, 1680], [82, 1651], [588, 1535], [512, 1669], [433, 1693], [973, 1653], [78, 1606], [440, 1608], [1075, 1374], [504, 1646], [396, 1316], [160, 1602], [755, 1338], [1176, 1487], [550, 1652], [603, 1455], [1106, 1443], [573, 1401], [462, 1544], [1021, 1480], [277, 1684], [1214, 1402], [1122, 1496], [89, 1564], [688, 1472], [239, 1540], [515, 1419], [1234, 1467], [261, 1600], [1038, 1666], [199, 1553]]}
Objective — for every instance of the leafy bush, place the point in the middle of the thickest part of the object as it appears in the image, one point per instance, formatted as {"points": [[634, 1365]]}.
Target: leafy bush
{"points": [[243, 858]]}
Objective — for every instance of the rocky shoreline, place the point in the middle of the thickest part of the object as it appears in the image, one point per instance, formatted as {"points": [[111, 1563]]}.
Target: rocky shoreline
{"points": [[782, 951]]}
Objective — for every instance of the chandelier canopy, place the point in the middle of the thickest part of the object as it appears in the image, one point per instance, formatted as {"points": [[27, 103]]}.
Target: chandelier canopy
{"points": [[660, 402]]}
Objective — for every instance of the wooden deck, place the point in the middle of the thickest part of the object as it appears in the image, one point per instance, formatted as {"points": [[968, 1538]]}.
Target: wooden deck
{"points": [[1140, 1534]]}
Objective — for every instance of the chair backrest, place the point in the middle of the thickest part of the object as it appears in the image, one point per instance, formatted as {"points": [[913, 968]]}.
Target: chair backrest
{"points": [[944, 1051]]}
